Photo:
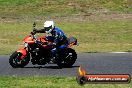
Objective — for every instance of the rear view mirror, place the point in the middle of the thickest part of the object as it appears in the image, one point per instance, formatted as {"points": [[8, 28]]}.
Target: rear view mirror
{"points": [[34, 24]]}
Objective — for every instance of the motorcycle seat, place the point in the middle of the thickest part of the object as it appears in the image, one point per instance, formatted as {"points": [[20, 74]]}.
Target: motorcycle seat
{"points": [[72, 40]]}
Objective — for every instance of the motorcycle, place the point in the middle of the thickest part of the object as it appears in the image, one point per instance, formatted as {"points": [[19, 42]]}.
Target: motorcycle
{"points": [[38, 51]]}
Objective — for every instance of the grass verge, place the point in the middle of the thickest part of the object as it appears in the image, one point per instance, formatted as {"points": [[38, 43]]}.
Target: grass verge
{"points": [[97, 36], [99, 25], [31, 8]]}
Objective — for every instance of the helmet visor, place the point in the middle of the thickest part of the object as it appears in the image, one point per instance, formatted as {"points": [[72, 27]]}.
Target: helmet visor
{"points": [[48, 29]]}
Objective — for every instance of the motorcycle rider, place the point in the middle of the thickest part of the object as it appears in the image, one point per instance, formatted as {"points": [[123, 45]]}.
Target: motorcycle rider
{"points": [[57, 35]]}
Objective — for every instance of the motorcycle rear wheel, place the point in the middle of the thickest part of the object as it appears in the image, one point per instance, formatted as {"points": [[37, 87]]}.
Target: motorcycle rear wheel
{"points": [[15, 61], [66, 58]]}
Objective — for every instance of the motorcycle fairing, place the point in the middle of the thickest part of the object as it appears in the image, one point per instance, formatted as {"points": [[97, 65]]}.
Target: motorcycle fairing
{"points": [[28, 39], [23, 51]]}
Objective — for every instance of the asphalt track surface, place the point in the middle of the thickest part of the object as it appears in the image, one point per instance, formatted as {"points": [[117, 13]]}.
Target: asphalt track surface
{"points": [[93, 63]]}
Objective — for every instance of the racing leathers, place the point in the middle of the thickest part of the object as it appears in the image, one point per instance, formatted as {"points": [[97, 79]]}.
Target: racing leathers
{"points": [[58, 37]]}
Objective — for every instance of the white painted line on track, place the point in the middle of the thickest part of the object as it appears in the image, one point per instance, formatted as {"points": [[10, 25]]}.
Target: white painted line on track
{"points": [[118, 52]]}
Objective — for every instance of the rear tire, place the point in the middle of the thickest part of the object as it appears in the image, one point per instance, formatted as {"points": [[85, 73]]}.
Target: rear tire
{"points": [[66, 58], [14, 60]]}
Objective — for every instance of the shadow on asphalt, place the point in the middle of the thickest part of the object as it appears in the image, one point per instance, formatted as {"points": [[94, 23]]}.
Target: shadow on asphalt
{"points": [[51, 67]]}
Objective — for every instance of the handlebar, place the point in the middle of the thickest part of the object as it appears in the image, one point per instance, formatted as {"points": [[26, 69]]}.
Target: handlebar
{"points": [[33, 33], [34, 36], [36, 40]]}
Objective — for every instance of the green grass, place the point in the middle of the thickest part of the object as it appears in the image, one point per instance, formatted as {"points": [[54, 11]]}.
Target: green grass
{"points": [[51, 82], [35, 8], [97, 36], [87, 20]]}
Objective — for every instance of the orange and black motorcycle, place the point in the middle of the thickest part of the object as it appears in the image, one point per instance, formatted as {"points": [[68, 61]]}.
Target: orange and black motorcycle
{"points": [[38, 51]]}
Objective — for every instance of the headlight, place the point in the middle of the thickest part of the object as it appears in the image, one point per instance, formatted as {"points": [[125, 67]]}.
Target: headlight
{"points": [[25, 44]]}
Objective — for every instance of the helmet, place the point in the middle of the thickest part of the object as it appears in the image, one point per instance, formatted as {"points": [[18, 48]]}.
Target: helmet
{"points": [[48, 26]]}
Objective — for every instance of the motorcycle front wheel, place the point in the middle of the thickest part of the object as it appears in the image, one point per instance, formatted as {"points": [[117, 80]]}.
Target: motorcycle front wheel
{"points": [[15, 61]]}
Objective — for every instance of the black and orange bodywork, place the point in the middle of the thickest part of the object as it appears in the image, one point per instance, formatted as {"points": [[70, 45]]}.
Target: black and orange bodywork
{"points": [[23, 52], [43, 39], [29, 40]]}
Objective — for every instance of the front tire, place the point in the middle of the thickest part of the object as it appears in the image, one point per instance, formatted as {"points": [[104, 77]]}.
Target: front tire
{"points": [[15, 62], [66, 58]]}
